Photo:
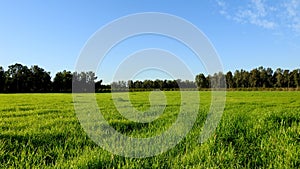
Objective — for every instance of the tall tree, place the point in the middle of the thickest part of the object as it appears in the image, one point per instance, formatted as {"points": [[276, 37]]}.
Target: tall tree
{"points": [[189, 84], [278, 78], [201, 81], [62, 81], [18, 78], [41, 80], [83, 81], [130, 84], [218, 80], [296, 77], [293, 78], [147, 84], [263, 77], [158, 84], [269, 72], [245, 82], [237, 78], [58, 82], [229, 80], [286, 78], [138, 84], [254, 78]]}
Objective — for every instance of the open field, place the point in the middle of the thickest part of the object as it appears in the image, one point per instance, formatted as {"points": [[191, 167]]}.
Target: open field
{"points": [[258, 129]]}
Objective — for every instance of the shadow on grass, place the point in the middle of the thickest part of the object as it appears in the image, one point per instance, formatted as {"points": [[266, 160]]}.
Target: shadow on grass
{"points": [[42, 148]]}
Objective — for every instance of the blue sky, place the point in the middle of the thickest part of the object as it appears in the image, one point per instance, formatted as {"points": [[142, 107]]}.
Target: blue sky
{"points": [[246, 34]]}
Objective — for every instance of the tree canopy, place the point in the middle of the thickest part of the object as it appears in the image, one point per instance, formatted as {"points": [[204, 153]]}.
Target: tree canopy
{"points": [[256, 78], [22, 79]]}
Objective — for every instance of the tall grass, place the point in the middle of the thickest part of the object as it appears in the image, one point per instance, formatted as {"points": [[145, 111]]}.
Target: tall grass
{"points": [[258, 130]]}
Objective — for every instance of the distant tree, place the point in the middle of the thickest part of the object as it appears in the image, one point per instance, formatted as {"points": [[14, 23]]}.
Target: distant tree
{"points": [[91, 77], [62, 81], [218, 80], [229, 80], [180, 83], [189, 84], [114, 85], [241, 78], [122, 84], [119, 86], [201, 81], [82, 82], [286, 78], [237, 78], [130, 84], [296, 77], [18, 78], [158, 84], [263, 77], [269, 74], [184, 84], [208, 80], [254, 78], [138, 84], [41, 80], [147, 84], [58, 82], [165, 84], [172, 84], [278, 78], [245, 78], [293, 78]]}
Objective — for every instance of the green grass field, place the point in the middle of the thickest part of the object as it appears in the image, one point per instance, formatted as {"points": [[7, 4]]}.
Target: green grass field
{"points": [[257, 130]]}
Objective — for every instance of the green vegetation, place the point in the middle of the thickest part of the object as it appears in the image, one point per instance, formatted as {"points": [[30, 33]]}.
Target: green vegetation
{"points": [[258, 129], [21, 79]]}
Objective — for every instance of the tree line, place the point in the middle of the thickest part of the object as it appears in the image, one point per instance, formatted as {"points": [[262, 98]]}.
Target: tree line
{"points": [[22, 79], [256, 78], [145, 85]]}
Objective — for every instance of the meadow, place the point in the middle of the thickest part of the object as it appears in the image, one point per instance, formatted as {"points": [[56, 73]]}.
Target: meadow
{"points": [[258, 130]]}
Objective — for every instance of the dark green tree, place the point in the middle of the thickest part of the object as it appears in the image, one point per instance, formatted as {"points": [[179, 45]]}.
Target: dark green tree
{"points": [[296, 77], [40, 79], [18, 78], [147, 84], [201, 81], [237, 78], [229, 80], [138, 84], [158, 84], [130, 84], [62, 81], [254, 79], [241, 79], [269, 74], [218, 80], [278, 78], [286, 78]]}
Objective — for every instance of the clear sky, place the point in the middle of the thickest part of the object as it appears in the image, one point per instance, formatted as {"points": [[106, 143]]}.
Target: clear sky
{"points": [[246, 34]]}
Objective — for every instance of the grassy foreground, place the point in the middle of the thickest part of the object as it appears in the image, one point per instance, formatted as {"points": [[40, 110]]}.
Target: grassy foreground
{"points": [[258, 129]]}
